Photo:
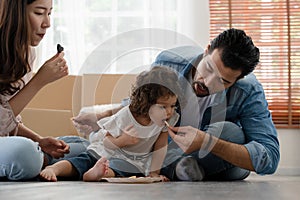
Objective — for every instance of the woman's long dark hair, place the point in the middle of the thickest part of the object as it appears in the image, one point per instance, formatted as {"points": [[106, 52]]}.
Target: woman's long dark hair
{"points": [[14, 41]]}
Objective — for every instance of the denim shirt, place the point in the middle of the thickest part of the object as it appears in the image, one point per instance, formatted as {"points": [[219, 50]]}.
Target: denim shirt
{"points": [[244, 104]]}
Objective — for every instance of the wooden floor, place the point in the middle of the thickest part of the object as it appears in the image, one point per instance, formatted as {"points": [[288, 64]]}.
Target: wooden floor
{"points": [[253, 188]]}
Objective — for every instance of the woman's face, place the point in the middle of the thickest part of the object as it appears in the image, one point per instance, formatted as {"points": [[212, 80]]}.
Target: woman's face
{"points": [[162, 110], [39, 19]]}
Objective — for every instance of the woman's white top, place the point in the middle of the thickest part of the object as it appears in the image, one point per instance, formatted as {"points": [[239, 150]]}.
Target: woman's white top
{"points": [[8, 121]]}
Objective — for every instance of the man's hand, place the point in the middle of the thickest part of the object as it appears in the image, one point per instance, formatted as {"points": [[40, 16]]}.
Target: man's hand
{"points": [[86, 123], [55, 148], [189, 139]]}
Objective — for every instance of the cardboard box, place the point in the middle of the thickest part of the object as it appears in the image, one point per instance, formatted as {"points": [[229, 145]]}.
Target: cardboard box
{"points": [[49, 112]]}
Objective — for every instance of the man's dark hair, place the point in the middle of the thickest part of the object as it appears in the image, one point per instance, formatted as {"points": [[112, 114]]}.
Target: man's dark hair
{"points": [[237, 50]]}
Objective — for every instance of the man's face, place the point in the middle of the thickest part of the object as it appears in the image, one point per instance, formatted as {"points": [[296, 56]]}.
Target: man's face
{"points": [[213, 76]]}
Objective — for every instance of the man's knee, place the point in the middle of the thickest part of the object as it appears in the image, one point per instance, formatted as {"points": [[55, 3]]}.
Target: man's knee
{"points": [[226, 131]]}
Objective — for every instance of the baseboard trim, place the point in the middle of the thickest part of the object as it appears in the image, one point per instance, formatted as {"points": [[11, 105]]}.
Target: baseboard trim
{"points": [[288, 171]]}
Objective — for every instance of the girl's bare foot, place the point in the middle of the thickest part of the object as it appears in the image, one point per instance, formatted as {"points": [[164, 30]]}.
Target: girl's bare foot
{"points": [[97, 171], [48, 174]]}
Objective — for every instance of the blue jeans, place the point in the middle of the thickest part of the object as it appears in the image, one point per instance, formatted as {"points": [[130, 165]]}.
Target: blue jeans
{"points": [[83, 162], [214, 167], [77, 145], [122, 168], [22, 159]]}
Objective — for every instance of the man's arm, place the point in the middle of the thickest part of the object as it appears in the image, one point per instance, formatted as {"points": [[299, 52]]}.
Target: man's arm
{"points": [[235, 154], [255, 118], [109, 112], [191, 139], [87, 122]]}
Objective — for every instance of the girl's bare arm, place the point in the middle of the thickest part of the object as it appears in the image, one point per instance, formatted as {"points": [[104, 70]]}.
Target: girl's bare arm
{"points": [[159, 153]]}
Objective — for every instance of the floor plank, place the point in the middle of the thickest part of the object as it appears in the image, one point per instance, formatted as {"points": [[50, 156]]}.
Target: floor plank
{"points": [[254, 187]]}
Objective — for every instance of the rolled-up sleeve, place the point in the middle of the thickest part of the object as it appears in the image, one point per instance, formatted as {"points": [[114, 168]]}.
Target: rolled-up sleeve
{"points": [[264, 158], [261, 135], [8, 120]]}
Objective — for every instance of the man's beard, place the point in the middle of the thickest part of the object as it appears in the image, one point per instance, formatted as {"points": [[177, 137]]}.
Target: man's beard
{"points": [[200, 89]]}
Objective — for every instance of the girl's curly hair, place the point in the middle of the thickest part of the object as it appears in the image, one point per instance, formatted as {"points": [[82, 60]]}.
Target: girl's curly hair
{"points": [[151, 85]]}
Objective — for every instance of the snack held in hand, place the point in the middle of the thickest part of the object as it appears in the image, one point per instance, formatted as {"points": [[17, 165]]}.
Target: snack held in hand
{"points": [[168, 125], [59, 48]]}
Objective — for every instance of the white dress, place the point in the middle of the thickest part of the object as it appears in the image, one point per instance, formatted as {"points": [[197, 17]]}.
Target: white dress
{"points": [[140, 154]]}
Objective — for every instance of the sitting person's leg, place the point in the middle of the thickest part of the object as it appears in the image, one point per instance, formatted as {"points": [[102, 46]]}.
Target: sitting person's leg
{"points": [[73, 167], [210, 167], [21, 158], [231, 174], [214, 167], [77, 146], [98, 171], [173, 156], [123, 168], [117, 168]]}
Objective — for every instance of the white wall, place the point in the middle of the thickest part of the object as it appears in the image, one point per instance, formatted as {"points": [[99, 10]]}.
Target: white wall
{"points": [[289, 140], [193, 20]]}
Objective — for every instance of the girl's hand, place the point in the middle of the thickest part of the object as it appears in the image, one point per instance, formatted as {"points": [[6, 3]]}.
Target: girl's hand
{"points": [[162, 177], [129, 136], [52, 70]]}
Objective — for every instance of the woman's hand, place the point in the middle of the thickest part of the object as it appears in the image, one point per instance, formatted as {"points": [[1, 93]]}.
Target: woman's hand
{"points": [[54, 147], [52, 70]]}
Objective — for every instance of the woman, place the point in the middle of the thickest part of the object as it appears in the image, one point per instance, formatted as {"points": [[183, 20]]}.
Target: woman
{"points": [[23, 24]]}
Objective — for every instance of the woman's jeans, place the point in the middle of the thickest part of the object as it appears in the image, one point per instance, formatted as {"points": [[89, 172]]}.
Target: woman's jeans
{"points": [[214, 167], [22, 159]]}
